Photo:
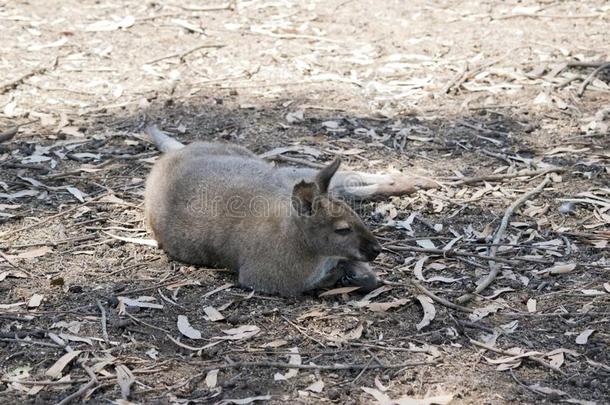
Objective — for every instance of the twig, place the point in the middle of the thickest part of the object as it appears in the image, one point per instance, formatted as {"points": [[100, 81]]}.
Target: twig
{"points": [[440, 300], [494, 267], [16, 83], [29, 342], [499, 351], [182, 55], [491, 177], [48, 219], [146, 323], [451, 252], [457, 79], [229, 6], [590, 78], [103, 321], [81, 391], [271, 364]]}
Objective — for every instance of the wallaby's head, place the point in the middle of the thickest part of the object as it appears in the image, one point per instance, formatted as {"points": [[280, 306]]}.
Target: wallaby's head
{"points": [[330, 226]]}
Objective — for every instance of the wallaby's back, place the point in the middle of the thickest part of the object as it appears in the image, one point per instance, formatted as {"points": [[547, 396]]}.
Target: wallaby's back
{"points": [[200, 200]]}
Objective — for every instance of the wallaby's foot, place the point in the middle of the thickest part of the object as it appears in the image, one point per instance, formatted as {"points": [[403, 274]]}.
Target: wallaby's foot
{"points": [[358, 274]]}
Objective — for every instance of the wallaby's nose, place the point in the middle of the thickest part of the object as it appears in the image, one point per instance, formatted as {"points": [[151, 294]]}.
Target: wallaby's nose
{"points": [[372, 250]]}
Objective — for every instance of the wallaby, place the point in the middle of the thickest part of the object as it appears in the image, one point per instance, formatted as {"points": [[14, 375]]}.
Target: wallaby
{"points": [[281, 229]]}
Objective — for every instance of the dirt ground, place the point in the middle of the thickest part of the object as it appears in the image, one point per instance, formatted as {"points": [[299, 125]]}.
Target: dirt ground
{"points": [[449, 90]]}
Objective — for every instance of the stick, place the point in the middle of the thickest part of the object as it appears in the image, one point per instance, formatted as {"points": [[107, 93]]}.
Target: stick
{"points": [[185, 53], [103, 321], [491, 177], [81, 391], [271, 364], [493, 265], [450, 252], [48, 219], [12, 131], [16, 83], [536, 359], [590, 78], [440, 300]]}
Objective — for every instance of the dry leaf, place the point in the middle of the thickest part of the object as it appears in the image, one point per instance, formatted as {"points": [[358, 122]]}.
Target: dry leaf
{"points": [[559, 269], [276, 343], [584, 336], [546, 390], [245, 401], [385, 306], [32, 253], [429, 311], [295, 358], [211, 378], [57, 368], [380, 386], [79, 195], [105, 25], [241, 332], [124, 378], [317, 387], [436, 400], [557, 359], [531, 305], [186, 329], [35, 301], [140, 302], [380, 397], [213, 314], [338, 291]]}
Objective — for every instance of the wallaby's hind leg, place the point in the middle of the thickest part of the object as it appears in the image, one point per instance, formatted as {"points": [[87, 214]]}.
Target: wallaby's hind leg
{"points": [[357, 274]]}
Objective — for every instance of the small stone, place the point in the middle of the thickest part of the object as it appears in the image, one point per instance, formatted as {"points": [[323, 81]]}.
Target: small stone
{"points": [[567, 208], [333, 394]]}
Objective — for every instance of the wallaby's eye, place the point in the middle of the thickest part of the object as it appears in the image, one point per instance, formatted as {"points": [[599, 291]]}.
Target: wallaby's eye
{"points": [[343, 231]]}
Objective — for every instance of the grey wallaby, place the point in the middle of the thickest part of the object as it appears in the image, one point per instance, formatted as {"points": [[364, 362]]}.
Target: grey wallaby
{"points": [[282, 229]]}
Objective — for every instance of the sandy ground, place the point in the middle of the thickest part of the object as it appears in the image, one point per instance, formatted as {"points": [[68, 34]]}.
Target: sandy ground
{"points": [[428, 87]]}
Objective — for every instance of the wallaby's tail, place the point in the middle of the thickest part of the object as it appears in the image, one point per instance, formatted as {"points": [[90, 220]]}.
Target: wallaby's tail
{"points": [[365, 186], [163, 142]]}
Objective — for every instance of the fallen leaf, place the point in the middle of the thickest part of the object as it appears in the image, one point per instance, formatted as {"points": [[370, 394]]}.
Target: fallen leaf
{"points": [[140, 302], [380, 386], [245, 401], [338, 291], [295, 358], [241, 332], [276, 343], [531, 305], [436, 400], [211, 378], [379, 396], [32, 253], [79, 195], [562, 268], [186, 329], [584, 336], [546, 390], [385, 306], [557, 359], [429, 311], [55, 370], [106, 25], [125, 379], [35, 301], [317, 387], [213, 314]]}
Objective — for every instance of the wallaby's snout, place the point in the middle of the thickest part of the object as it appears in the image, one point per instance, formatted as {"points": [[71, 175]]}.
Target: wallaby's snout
{"points": [[370, 248]]}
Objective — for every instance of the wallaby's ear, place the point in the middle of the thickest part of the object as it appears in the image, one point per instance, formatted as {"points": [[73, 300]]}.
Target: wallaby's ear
{"points": [[325, 175], [303, 195]]}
